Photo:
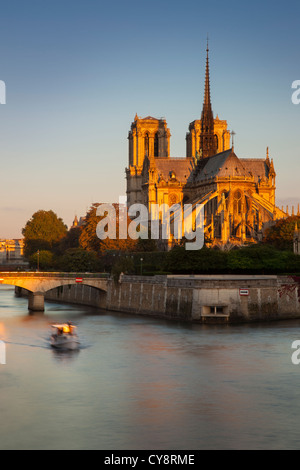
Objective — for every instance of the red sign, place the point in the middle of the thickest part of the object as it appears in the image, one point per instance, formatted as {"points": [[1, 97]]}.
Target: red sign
{"points": [[244, 291], [78, 279]]}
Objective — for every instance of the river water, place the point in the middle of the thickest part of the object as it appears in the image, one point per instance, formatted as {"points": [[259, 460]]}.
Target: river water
{"points": [[144, 383]]}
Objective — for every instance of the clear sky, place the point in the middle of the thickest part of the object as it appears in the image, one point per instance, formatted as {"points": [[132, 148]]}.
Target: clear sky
{"points": [[77, 72]]}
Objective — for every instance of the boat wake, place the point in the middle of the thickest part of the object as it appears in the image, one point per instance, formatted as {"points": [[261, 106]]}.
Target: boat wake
{"points": [[16, 343]]}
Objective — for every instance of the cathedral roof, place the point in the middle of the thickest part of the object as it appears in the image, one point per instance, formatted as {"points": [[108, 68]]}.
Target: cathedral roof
{"points": [[227, 164], [256, 167], [151, 118], [180, 167]]}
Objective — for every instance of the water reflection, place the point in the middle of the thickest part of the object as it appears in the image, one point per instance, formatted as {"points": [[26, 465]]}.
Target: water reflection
{"points": [[64, 356], [140, 383]]}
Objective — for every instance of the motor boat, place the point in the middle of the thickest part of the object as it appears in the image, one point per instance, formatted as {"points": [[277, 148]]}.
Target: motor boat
{"points": [[64, 337]]}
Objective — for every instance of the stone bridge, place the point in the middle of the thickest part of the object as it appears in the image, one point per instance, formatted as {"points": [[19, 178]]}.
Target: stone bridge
{"points": [[38, 283]]}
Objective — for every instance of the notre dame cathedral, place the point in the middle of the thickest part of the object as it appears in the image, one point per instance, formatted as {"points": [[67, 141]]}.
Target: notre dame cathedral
{"points": [[238, 193]]}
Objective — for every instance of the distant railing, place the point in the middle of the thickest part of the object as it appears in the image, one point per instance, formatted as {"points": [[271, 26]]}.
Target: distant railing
{"points": [[53, 274]]}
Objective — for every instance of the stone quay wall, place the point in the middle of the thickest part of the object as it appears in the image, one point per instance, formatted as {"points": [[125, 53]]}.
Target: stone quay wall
{"points": [[208, 299], [199, 298]]}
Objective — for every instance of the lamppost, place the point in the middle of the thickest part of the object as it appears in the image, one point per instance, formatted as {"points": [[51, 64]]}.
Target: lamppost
{"points": [[141, 266], [38, 260]]}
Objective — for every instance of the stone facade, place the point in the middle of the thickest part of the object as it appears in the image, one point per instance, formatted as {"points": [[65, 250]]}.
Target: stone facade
{"points": [[193, 137], [238, 195], [11, 252]]}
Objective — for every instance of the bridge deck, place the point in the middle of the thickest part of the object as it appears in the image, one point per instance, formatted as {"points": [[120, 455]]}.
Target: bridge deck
{"points": [[34, 274]]}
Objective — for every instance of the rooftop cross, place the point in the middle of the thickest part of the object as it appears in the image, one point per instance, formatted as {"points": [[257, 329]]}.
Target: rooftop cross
{"points": [[232, 135]]}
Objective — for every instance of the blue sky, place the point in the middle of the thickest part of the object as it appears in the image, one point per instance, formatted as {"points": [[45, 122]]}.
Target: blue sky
{"points": [[76, 73]]}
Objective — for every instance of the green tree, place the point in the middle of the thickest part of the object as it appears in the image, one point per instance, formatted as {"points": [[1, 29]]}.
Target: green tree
{"points": [[79, 260], [71, 240], [280, 235], [123, 265], [42, 232], [147, 245], [253, 259], [42, 259], [262, 259], [207, 260]]}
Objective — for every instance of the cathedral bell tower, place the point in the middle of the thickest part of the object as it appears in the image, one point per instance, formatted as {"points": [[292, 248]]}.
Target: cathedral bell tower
{"points": [[149, 138]]}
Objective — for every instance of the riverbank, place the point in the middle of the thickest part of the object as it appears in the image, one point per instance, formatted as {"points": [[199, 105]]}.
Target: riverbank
{"points": [[208, 299], [199, 298]]}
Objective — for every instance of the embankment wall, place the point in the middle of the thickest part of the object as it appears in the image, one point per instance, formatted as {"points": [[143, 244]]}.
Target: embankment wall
{"points": [[205, 299]]}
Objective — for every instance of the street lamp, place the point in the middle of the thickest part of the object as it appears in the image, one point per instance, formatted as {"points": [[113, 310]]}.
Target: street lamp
{"points": [[141, 266], [38, 260]]}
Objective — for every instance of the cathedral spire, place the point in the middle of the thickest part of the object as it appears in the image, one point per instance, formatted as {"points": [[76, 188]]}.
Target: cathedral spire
{"points": [[207, 103], [208, 146]]}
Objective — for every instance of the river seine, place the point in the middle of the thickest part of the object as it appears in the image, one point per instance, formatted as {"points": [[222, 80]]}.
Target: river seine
{"points": [[144, 383]]}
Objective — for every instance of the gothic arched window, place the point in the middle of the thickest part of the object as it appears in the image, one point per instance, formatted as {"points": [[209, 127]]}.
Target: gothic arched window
{"points": [[216, 142], [146, 145], [156, 145], [237, 202]]}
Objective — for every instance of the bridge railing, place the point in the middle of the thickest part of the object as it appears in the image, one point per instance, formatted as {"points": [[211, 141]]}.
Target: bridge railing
{"points": [[53, 274]]}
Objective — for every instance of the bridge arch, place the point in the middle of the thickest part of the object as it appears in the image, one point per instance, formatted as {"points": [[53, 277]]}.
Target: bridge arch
{"points": [[38, 284], [79, 294]]}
